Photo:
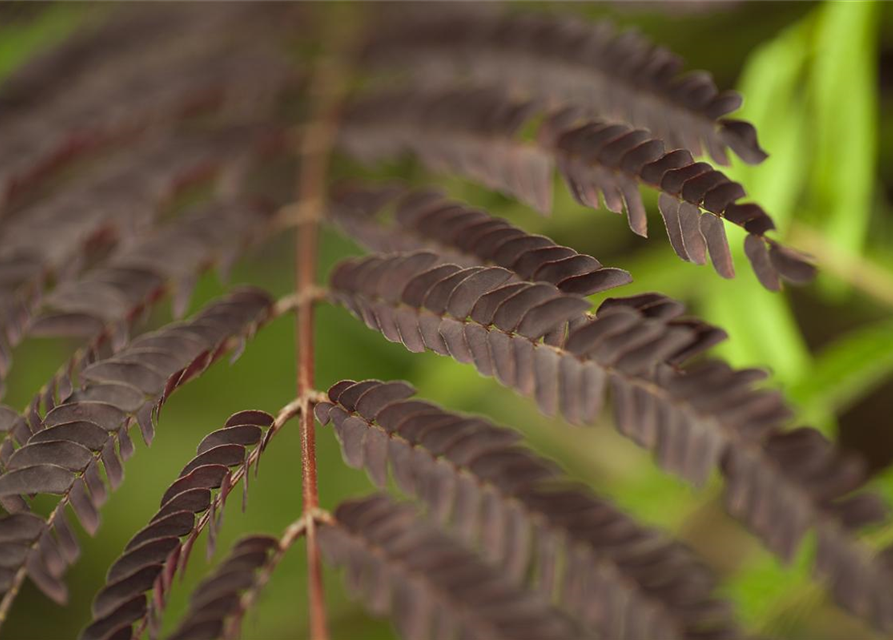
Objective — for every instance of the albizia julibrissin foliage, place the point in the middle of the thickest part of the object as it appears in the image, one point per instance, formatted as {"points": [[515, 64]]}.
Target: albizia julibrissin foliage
{"points": [[104, 133]]}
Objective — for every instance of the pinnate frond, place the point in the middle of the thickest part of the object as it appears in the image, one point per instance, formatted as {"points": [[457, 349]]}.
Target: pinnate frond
{"points": [[425, 219], [599, 158], [567, 61], [508, 547], [216, 600], [158, 551], [478, 316], [172, 257], [524, 516], [89, 427], [798, 481], [114, 99], [474, 132], [430, 585], [50, 241], [695, 420]]}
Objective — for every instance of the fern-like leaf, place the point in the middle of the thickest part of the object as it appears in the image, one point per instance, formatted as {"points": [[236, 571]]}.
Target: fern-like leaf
{"points": [[172, 257], [90, 426], [115, 99], [470, 131], [695, 420], [425, 219], [621, 579], [566, 61], [51, 239], [508, 548], [797, 481], [157, 552], [430, 585], [478, 316], [216, 601], [474, 132]]}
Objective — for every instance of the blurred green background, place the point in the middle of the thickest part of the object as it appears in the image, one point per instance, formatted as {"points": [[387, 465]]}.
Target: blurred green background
{"points": [[818, 84]]}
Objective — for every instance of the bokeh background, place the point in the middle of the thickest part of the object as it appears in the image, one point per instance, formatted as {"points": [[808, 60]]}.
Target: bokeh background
{"points": [[818, 83]]}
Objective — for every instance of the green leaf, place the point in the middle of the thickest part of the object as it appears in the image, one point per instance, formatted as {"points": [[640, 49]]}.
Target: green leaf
{"points": [[761, 327], [765, 587], [845, 371], [20, 41], [770, 83], [843, 89]]}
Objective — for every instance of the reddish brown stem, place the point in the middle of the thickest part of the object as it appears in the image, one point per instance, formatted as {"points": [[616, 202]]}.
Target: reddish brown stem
{"points": [[306, 247], [314, 151]]}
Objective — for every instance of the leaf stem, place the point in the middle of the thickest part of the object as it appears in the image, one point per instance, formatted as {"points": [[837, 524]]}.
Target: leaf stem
{"points": [[314, 151]]}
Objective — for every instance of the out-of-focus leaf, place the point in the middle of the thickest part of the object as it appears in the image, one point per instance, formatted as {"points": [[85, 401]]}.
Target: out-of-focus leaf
{"points": [[761, 328], [759, 589], [20, 41], [770, 84], [845, 371], [883, 484], [601, 458], [843, 89]]}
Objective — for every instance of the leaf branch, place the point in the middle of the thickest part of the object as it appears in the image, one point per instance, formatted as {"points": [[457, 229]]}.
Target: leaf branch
{"points": [[327, 90]]}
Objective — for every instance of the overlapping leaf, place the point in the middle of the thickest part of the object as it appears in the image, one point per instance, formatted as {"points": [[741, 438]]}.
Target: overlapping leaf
{"points": [[425, 219], [129, 33], [480, 316], [469, 131], [52, 239], [474, 132], [695, 420], [798, 481], [173, 256], [598, 158], [217, 599], [113, 98], [153, 556], [567, 61], [511, 305], [89, 427], [431, 586], [623, 580]]}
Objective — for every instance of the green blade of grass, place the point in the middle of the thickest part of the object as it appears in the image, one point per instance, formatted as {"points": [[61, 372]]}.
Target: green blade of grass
{"points": [[843, 90], [18, 42], [847, 370]]}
